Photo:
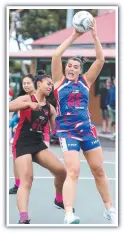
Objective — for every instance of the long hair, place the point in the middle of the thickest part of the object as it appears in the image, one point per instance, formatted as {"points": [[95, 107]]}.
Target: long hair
{"points": [[22, 92], [51, 98]]}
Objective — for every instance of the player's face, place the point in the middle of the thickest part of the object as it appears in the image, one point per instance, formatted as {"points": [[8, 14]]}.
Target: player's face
{"points": [[28, 85], [45, 86], [72, 70], [108, 83]]}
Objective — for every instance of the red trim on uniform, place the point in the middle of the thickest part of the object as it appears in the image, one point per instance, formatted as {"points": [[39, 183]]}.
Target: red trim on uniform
{"points": [[85, 81], [56, 94], [89, 113], [94, 132], [57, 98], [16, 136], [23, 114], [33, 98], [47, 133], [60, 84]]}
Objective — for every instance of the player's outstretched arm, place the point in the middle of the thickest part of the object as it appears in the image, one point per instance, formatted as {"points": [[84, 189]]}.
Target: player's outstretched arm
{"points": [[97, 65], [57, 72]]}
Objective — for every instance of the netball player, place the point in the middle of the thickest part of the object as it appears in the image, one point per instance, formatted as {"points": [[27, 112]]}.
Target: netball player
{"points": [[73, 124], [27, 87], [35, 112]]}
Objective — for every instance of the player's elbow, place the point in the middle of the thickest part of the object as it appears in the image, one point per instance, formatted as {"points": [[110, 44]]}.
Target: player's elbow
{"points": [[55, 55], [101, 61]]}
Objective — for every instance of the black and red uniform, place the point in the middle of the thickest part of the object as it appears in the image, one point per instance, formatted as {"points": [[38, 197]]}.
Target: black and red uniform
{"points": [[29, 134]]}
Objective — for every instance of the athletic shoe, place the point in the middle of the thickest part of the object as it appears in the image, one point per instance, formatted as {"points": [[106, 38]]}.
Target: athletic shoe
{"points": [[60, 205], [110, 215], [71, 219], [24, 222], [13, 190]]}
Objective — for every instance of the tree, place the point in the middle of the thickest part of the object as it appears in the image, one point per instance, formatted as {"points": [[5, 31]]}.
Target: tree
{"points": [[14, 20], [15, 67], [36, 23], [94, 12]]}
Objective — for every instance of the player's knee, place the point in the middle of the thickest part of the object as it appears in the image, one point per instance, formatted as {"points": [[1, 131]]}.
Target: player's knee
{"points": [[73, 172], [26, 181], [98, 172], [62, 171]]}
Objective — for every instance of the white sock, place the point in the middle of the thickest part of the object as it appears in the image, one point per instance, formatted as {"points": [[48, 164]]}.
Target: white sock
{"points": [[112, 209], [68, 214]]}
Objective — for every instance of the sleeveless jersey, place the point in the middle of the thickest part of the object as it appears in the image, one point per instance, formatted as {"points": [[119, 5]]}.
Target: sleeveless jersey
{"points": [[32, 125], [73, 119]]}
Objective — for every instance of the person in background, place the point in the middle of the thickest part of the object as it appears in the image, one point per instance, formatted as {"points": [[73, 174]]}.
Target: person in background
{"points": [[106, 124], [111, 105], [11, 115], [11, 93], [12, 124], [26, 88]]}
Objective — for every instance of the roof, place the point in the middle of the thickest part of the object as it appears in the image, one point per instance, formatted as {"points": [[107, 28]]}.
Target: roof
{"points": [[105, 27], [47, 53]]}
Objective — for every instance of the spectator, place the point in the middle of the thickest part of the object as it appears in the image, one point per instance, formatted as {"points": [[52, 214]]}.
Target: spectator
{"points": [[106, 125], [111, 105], [11, 116], [11, 93], [13, 122]]}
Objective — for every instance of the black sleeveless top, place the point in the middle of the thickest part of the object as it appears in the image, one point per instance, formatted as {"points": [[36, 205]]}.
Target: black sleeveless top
{"points": [[32, 123]]}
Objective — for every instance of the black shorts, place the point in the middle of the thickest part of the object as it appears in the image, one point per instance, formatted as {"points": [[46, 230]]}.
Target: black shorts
{"points": [[27, 147], [105, 114]]}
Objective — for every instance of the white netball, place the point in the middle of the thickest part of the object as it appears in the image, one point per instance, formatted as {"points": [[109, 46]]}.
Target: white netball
{"points": [[82, 21]]}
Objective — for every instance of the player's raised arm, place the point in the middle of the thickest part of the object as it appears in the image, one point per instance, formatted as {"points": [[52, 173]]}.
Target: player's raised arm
{"points": [[97, 65], [57, 73]]}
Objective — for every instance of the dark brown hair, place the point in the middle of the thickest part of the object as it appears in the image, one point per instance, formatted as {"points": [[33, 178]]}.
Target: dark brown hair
{"points": [[80, 59], [40, 75]]}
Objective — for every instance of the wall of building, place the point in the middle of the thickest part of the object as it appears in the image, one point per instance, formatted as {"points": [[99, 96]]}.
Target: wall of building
{"points": [[33, 67], [94, 109]]}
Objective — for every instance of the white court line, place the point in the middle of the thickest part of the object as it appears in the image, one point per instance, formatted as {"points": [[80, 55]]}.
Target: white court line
{"points": [[52, 177], [82, 160], [85, 161]]}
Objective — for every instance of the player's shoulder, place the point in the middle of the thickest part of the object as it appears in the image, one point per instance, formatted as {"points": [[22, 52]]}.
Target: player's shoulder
{"points": [[83, 79], [59, 83]]}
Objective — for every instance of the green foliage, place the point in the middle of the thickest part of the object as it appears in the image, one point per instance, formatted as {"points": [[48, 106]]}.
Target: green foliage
{"points": [[94, 12], [37, 23], [15, 67]]}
